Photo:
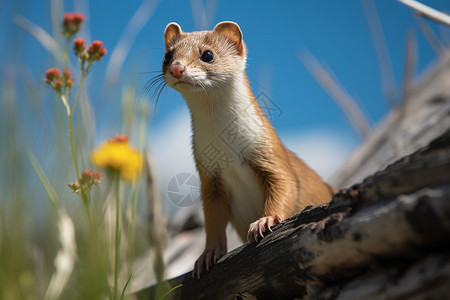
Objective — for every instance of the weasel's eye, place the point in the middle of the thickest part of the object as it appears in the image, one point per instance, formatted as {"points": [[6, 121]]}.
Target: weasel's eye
{"points": [[207, 56], [168, 56]]}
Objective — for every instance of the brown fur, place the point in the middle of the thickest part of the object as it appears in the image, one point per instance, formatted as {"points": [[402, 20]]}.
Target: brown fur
{"points": [[287, 184]]}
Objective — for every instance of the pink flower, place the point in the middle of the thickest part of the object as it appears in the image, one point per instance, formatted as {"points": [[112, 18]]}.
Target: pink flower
{"points": [[52, 74], [86, 181], [96, 50], [68, 18], [78, 46], [58, 85], [102, 51], [89, 177], [72, 23], [56, 81], [93, 53], [53, 78], [118, 138], [67, 74], [78, 18], [68, 79]]}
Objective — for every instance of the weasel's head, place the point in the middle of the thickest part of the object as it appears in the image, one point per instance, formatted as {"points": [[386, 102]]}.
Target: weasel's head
{"points": [[203, 61]]}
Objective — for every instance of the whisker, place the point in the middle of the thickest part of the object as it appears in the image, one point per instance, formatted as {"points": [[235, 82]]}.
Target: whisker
{"points": [[152, 82], [220, 84], [157, 93], [157, 84], [144, 73]]}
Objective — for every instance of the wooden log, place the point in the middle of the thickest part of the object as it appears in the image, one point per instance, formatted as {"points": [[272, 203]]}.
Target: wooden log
{"points": [[399, 214], [423, 116], [428, 278]]}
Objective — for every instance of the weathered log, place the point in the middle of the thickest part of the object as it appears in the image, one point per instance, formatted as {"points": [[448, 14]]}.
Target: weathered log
{"points": [[423, 116], [428, 278], [397, 216]]}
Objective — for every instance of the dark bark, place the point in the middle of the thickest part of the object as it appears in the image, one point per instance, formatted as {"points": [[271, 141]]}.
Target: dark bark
{"points": [[388, 235]]}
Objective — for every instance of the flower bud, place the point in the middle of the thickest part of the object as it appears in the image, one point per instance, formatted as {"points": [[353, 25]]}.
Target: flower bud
{"points": [[118, 138], [78, 46], [58, 85], [89, 178], [96, 50], [78, 18], [52, 74], [72, 23], [53, 78], [102, 51], [68, 79], [67, 74], [74, 186]]}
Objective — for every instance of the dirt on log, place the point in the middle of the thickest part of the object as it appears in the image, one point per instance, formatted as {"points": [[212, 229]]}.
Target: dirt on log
{"points": [[387, 237]]}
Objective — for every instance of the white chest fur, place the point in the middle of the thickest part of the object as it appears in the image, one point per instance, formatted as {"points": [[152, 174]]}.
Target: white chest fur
{"points": [[226, 129]]}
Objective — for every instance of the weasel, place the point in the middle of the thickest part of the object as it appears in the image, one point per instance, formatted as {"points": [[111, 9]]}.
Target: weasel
{"points": [[248, 177]]}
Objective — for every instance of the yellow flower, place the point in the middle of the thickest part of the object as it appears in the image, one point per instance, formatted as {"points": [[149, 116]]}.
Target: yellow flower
{"points": [[116, 154]]}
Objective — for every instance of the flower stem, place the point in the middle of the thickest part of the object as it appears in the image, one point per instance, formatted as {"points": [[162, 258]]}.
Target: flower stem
{"points": [[83, 77], [72, 148], [83, 193], [117, 236], [97, 247], [66, 53], [64, 100]]}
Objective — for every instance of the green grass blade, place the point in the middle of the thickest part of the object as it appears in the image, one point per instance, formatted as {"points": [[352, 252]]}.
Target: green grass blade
{"points": [[170, 291], [43, 178], [125, 287]]}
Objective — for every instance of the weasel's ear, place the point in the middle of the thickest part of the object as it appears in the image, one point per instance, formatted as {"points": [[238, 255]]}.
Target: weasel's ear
{"points": [[233, 33], [171, 34]]}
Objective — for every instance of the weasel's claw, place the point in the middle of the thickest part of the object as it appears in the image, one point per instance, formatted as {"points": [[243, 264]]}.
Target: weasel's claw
{"points": [[206, 261], [256, 229]]}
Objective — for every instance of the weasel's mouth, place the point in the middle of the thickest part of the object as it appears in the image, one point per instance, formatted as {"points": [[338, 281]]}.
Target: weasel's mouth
{"points": [[182, 82]]}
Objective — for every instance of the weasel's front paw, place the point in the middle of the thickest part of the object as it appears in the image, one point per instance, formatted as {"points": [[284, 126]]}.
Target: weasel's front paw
{"points": [[208, 258], [264, 224]]}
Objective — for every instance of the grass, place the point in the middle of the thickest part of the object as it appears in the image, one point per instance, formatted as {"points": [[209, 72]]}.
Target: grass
{"points": [[61, 244]]}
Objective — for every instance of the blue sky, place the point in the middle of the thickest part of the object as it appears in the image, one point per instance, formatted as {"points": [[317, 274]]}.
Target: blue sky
{"points": [[335, 32]]}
